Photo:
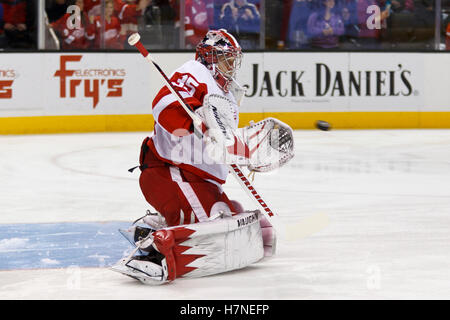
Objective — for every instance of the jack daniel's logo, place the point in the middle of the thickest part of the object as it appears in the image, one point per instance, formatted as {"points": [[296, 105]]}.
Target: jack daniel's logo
{"points": [[329, 82]]}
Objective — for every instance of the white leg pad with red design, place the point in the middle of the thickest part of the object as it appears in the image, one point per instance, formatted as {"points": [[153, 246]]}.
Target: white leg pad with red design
{"points": [[200, 249]]}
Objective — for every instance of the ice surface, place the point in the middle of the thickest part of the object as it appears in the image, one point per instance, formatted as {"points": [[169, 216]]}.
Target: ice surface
{"points": [[42, 245], [386, 194]]}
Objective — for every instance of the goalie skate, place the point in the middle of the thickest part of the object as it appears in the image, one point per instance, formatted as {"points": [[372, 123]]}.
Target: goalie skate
{"points": [[135, 233], [153, 222], [147, 269]]}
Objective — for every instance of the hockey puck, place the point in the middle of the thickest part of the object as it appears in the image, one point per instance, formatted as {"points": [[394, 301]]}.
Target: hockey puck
{"points": [[323, 125]]}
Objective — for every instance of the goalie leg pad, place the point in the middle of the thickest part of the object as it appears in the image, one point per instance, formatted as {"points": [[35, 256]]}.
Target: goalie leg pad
{"points": [[218, 246], [198, 250]]}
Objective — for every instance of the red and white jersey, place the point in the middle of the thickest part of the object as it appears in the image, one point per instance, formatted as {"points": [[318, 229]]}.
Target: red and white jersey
{"points": [[75, 38], [112, 36], [93, 7], [15, 11], [129, 13], [173, 140], [198, 19]]}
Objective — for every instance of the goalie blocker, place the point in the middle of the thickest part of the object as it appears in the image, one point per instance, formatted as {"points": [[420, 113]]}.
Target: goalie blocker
{"points": [[201, 249]]}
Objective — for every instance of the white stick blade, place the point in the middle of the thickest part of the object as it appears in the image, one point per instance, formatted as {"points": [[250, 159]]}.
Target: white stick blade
{"points": [[307, 227]]}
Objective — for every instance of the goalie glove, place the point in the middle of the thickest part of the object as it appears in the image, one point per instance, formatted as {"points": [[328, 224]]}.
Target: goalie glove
{"points": [[270, 143], [262, 146]]}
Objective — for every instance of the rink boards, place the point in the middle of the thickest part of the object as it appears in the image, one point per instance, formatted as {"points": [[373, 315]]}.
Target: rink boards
{"points": [[91, 92]]}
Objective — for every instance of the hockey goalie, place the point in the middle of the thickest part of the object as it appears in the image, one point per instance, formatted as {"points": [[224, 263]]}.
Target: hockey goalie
{"points": [[197, 230]]}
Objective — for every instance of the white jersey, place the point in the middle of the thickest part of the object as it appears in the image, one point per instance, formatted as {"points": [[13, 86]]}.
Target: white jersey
{"points": [[173, 139]]}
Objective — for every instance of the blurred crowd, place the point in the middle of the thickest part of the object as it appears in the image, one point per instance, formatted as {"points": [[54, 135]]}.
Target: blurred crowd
{"points": [[87, 27], [349, 24], [288, 24], [17, 21], [158, 22]]}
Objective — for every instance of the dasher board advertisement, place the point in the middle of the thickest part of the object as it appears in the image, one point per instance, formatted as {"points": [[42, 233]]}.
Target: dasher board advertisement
{"points": [[114, 83], [331, 82], [72, 84]]}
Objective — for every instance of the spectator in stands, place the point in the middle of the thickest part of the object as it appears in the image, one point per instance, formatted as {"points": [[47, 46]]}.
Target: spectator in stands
{"points": [[159, 20], [75, 32], [298, 21], [199, 18], [160, 11], [424, 14], [114, 35], [93, 8], [276, 28], [398, 6], [118, 5], [349, 14], [242, 19], [128, 13], [399, 23], [324, 26], [369, 37], [56, 9], [218, 4], [15, 23]]}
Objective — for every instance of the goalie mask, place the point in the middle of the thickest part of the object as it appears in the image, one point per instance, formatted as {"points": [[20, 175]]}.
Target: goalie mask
{"points": [[221, 54]]}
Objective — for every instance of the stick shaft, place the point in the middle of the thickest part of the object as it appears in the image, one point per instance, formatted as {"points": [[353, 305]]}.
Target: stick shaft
{"points": [[184, 104]]}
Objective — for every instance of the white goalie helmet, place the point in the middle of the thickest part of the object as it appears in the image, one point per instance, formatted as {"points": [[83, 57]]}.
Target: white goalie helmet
{"points": [[221, 54]]}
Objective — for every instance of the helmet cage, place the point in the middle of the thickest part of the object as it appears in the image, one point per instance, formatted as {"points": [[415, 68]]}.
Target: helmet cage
{"points": [[220, 56]]}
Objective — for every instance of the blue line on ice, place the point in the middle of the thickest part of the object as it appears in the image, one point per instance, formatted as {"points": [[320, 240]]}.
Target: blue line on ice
{"points": [[60, 245]]}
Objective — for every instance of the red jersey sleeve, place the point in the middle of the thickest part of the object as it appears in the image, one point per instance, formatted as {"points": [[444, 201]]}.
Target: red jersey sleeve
{"points": [[129, 13], [60, 24], [171, 115]]}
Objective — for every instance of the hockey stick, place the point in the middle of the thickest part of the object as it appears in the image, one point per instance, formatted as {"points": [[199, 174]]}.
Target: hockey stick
{"points": [[134, 40]]}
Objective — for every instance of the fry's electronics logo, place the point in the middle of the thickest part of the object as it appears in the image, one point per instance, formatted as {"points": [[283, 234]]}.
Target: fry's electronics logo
{"points": [[88, 83], [6, 91]]}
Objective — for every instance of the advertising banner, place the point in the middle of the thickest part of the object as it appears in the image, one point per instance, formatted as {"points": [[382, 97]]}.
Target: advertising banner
{"points": [[118, 84], [333, 82], [73, 84]]}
